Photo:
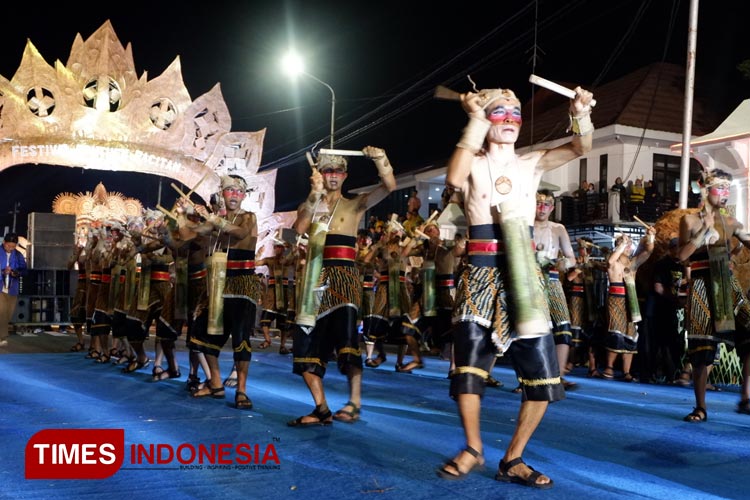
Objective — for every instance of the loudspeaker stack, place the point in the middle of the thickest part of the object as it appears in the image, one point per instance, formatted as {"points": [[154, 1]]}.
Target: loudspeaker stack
{"points": [[51, 240]]}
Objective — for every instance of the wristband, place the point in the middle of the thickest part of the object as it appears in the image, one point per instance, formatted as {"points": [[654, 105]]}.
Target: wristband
{"points": [[474, 134], [218, 222], [581, 125]]}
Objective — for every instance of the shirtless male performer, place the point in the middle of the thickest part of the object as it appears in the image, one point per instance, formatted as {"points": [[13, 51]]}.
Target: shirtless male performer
{"points": [[622, 305], [551, 240], [705, 240], [237, 232], [336, 323], [441, 256], [486, 168]]}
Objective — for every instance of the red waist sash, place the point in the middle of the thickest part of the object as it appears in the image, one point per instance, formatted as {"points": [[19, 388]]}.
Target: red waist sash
{"points": [[240, 264], [699, 264], [339, 253], [199, 275], [160, 276]]}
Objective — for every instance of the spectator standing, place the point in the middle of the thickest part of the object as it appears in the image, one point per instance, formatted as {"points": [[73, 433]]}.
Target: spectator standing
{"points": [[13, 265], [619, 187], [665, 342], [637, 196], [414, 203]]}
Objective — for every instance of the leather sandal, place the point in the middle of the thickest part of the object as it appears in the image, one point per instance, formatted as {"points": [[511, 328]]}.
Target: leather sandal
{"points": [[531, 481], [242, 402], [696, 416], [444, 473], [348, 416], [213, 392], [322, 417]]}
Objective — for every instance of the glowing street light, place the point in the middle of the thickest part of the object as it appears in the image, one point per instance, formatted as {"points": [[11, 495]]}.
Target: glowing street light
{"points": [[293, 65]]}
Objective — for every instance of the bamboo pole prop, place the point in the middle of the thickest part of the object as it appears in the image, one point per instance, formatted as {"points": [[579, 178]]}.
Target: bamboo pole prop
{"points": [[310, 160], [394, 224], [591, 245], [166, 212], [556, 88], [197, 185], [432, 217], [182, 195], [341, 152], [419, 232], [443, 92], [425, 237], [641, 222]]}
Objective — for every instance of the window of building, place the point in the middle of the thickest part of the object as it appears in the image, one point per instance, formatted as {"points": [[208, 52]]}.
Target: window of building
{"points": [[582, 167], [603, 173], [666, 177]]}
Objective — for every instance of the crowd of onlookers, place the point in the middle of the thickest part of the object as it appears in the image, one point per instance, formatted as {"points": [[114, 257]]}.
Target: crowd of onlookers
{"points": [[662, 341], [638, 198]]}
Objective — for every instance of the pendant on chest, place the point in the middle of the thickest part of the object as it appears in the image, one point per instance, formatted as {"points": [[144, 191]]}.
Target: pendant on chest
{"points": [[503, 185]]}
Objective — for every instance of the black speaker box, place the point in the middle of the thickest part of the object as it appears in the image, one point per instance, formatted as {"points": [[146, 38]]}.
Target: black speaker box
{"points": [[21, 314], [51, 229], [49, 256]]}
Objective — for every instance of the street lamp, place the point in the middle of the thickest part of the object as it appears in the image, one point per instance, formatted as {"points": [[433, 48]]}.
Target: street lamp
{"points": [[293, 66]]}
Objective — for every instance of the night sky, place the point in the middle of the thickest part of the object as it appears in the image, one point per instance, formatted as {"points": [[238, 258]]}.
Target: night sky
{"points": [[382, 58]]}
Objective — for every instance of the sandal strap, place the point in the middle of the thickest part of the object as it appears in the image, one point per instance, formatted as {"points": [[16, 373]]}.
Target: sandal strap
{"points": [[355, 409], [452, 463], [321, 415], [535, 474], [471, 451], [506, 466]]}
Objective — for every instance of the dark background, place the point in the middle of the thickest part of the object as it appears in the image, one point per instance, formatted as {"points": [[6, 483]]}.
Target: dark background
{"points": [[383, 60]]}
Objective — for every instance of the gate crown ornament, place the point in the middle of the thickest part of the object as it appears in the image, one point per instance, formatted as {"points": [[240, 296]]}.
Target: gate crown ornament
{"points": [[95, 112]]}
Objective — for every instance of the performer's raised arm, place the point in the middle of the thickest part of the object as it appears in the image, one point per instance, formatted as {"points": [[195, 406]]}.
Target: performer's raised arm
{"points": [[385, 172], [646, 250], [306, 210], [472, 140], [583, 132]]}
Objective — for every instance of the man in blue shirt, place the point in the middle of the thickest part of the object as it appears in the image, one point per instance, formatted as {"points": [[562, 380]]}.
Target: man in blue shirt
{"points": [[13, 266]]}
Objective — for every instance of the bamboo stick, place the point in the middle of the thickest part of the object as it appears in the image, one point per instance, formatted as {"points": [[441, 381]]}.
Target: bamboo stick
{"points": [[341, 152], [556, 88], [642, 223]]}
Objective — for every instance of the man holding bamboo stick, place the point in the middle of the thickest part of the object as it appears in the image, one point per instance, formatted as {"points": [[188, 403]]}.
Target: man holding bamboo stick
{"points": [[500, 304], [334, 320], [718, 309], [623, 310], [235, 232]]}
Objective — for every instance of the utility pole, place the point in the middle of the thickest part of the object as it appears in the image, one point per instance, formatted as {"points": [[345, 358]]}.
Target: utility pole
{"points": [[16, 210], [687, 120]]}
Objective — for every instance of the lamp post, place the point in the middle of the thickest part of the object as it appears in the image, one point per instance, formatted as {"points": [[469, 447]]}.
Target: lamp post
{"points": [[293, 66]]}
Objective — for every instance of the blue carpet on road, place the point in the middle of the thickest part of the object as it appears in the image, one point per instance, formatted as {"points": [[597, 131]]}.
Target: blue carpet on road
{"points": [[607, 440]]}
